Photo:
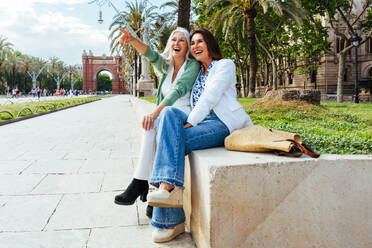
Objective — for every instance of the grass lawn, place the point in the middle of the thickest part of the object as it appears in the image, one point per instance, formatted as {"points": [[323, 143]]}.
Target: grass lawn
{"points": [[338, 128], [42, 106]]}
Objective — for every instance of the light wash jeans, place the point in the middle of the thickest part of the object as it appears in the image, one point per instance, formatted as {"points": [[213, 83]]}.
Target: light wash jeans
{"points": [[173, 143]]}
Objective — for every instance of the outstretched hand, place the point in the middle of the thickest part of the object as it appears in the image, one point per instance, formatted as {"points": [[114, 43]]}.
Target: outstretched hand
{"points": [[126, 37]]}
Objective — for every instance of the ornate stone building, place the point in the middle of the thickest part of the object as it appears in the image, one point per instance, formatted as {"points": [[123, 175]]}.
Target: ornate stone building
{"points": [[325, 77]]}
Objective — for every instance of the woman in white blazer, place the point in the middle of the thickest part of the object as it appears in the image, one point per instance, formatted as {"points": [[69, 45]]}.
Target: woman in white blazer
{"points": [[215, 114]]}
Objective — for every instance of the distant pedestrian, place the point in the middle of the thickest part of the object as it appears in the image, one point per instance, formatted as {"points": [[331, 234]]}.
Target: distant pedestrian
{"points": [[38, 92]]}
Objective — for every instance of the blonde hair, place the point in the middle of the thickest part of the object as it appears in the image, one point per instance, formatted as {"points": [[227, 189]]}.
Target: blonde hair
{"points": [[167, 53]]}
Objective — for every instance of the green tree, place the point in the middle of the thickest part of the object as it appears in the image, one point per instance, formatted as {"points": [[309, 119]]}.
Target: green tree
{"points": [[104, 82], [228, 10]]}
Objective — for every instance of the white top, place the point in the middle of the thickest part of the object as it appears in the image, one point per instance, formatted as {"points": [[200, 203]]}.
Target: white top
{"points": [[182, 103], [219, 95]]}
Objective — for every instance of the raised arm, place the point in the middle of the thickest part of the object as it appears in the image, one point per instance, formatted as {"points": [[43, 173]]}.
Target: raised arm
{"points": [[137, 44]]}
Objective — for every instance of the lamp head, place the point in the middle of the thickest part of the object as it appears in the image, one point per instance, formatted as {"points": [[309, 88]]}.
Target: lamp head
{"points": [[100, 20], [355, 40]]}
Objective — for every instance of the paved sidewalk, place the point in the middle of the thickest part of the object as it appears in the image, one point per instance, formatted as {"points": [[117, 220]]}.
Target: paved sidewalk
{"points": [[59, 174]]}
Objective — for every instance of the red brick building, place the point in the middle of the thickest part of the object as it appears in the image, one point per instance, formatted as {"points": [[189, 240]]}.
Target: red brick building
{"points": [[93, 65]]}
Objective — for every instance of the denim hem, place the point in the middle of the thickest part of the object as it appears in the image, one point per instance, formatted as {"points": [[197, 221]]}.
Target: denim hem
{"points": [[172, 181], [163, 226]]}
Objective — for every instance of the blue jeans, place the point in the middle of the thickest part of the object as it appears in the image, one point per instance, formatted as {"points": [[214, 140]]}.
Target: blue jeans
{"points": [[173, 143]]}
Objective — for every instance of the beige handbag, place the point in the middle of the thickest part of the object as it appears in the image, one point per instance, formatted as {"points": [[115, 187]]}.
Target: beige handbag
{"points": [[262, 139]]}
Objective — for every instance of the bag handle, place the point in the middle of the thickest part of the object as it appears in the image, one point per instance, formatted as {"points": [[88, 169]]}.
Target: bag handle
{"points": [[305, 149]]}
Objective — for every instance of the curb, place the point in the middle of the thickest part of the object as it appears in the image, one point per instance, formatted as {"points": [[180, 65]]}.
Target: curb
{"points": [[40, 114]]}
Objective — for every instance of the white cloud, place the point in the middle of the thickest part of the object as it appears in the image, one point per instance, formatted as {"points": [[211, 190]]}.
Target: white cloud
{"points": [[44, 33]]}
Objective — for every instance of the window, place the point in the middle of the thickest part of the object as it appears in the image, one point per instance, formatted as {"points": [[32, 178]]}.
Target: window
{"points": [[345, 74], [290, 78], [313, 76], [370, 73], [281, 79], [369, 43]]}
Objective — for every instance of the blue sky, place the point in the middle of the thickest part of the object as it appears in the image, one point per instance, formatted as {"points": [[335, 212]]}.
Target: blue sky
{"points": [[60, 28]]}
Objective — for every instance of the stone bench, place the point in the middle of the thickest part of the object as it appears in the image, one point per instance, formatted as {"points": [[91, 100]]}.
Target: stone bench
{"points": [[242, 199]]}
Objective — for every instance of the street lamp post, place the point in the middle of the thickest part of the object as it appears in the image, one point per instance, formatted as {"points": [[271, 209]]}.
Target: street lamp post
{"points": [[355, 40], [100, 3]]}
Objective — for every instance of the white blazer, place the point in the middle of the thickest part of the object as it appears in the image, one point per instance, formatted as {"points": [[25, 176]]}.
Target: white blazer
{"points": [[219, 95]]}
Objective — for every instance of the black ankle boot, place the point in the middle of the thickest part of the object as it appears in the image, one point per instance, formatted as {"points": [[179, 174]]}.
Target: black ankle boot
{"points": [[136, 188]]}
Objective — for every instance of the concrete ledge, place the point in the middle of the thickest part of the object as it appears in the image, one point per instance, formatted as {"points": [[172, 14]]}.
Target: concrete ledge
{"points": [[242, 199], [260, 200]]}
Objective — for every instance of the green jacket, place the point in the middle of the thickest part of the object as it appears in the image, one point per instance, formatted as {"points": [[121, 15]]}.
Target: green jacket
{"points": [[183, 84]]}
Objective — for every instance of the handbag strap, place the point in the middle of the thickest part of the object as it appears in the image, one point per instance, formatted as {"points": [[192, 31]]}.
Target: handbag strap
{"points": [[305, 149]]}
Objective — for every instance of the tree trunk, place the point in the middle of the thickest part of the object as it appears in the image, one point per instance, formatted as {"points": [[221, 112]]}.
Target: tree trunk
{"points": [[183, 14], [250, 14], [244, 82], [340, 77], [246, 88], [275, 75]]}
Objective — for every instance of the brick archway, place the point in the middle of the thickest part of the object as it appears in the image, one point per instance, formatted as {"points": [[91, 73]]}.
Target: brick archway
{"points": [[93, 65]]}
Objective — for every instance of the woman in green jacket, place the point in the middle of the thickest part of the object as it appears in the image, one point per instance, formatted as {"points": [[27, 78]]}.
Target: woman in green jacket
{"points": [[178, 73]]}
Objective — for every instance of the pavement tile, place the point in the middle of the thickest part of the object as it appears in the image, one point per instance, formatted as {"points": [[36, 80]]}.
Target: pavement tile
{"points": [[13, 167], [11, 155], [108, 166], [91, 210], [133, 237], [54, 166], [93, 154], [3, 201], [48, 239], [112, 145], [121, 154], [118, 181], [27, 213], [18, 184], [32, 155], [67, 184]]}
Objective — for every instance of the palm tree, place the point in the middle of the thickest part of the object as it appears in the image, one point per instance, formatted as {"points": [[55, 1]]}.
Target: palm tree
{"points": [[57, 70], [138, 15], [230, 9], [72, 71], [12, 67], [5, 50], [183, 19]]}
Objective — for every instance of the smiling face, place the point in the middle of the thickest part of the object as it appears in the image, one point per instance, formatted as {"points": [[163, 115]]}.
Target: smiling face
{"points": [[178, 45], [199, 49]]}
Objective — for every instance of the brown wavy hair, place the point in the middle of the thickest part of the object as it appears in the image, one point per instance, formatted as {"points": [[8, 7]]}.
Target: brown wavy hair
{"points": [[213, 48]]}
